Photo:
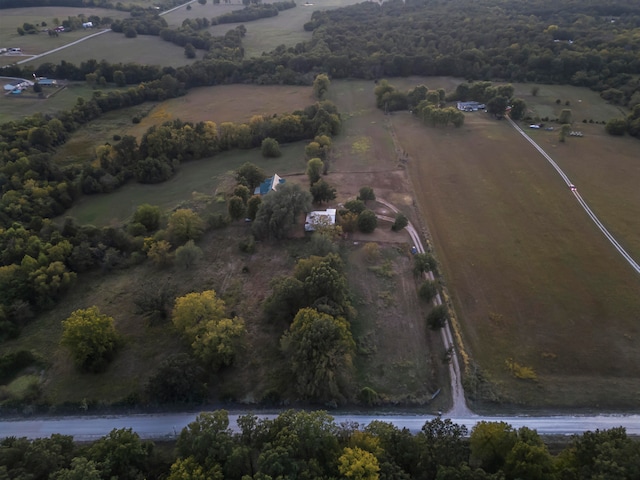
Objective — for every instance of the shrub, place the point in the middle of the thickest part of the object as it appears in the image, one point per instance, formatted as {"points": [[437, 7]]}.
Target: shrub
{"points": [[401, 222], [369, 396], [427, 290], [247, 244], [355, 206], [366, 194], [367, 221], [371, 252], [520, 371], [437, 318], [270, 148]]}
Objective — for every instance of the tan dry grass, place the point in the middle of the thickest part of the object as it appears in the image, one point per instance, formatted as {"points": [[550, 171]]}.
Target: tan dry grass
{"points": [[514, 244]]}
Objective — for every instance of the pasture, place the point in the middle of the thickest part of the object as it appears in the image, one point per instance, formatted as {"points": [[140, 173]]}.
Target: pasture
{"points": [[224, 103], [117, 48], [16, 107], [196, 179], [287, 28], [34, 44], [534, 283]]}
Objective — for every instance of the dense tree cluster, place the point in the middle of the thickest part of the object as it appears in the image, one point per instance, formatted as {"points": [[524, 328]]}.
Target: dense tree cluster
{"points": [[254, 12], [298, 444]]}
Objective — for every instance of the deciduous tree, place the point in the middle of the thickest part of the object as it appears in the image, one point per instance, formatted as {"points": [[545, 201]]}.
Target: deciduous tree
{"points": [[319, 348], [185, 224], [217, 343], [188, 254], [91, 337], [321, 85], [279, 210], [270, 148], [358, 464], [193, 310], [367, 221], [236, 208], [149, 216], [490, 444], [314, 170], [250, 175], [322, 192], [366, 193], [400, 222]]}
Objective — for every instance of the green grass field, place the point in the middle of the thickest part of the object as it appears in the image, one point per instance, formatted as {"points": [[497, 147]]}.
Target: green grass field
{"points": [[287, 28], [193, 178], [13, 18], [116, 48], [15, 108]]}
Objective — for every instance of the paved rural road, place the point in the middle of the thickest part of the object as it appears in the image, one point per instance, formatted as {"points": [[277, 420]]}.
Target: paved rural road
{"points": [[167, 426], [83, 39], [580, 200]]}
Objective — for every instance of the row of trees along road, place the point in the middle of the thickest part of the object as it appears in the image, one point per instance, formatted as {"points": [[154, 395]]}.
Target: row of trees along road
{"points": [[311, 445]]}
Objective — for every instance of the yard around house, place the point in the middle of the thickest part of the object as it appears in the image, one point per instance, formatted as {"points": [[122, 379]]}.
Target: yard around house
{"points": [[399, 357]]}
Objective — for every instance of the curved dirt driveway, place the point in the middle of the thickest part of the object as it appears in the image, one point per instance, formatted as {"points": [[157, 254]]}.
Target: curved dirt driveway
{"points": [[459, 407]]}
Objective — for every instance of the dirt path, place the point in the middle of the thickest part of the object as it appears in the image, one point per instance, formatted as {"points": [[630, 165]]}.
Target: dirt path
{"points": [[459, 407]]}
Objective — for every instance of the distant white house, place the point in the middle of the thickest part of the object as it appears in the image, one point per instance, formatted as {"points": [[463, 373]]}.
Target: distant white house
{"points": [[320, 219], [87, 25]]}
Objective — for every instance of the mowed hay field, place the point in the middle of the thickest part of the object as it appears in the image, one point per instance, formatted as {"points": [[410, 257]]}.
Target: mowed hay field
{"points": [[537, 288]]}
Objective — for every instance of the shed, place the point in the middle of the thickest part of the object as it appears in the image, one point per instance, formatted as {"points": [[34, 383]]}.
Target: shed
{"points": [[320, 218]]}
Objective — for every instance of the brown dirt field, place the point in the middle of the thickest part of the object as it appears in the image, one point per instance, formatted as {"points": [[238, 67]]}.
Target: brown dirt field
{"points": [[528, 273]]}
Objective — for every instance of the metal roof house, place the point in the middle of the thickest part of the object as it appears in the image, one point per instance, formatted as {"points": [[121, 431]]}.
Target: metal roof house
{"points": [[271, 183], [471, 106], [320, 219]]}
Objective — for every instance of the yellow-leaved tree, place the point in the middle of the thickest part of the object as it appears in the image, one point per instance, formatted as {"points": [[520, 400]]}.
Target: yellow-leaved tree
{"points": [[91, 337], [202, 319]]}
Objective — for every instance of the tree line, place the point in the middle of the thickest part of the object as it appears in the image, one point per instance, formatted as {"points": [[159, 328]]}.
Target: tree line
{"points": [[108, 4], [299, 444]]}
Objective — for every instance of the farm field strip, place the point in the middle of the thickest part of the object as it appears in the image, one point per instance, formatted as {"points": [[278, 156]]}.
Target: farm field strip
{"points": [[526, 271], [586, 208]]}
